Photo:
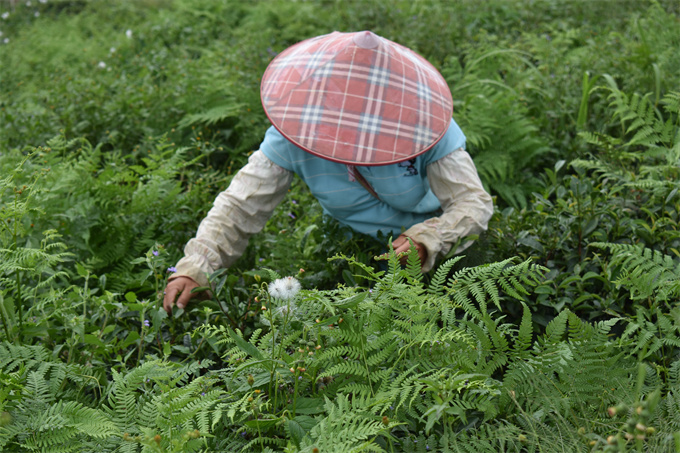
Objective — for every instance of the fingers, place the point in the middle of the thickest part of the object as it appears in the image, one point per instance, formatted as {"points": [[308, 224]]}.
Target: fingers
{"points": [[184, 297], [402, 245], [170, 296], [178, 291]]}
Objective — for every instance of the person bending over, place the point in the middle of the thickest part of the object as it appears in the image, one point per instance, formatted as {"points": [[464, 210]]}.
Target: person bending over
{"points": [[367, 124]]}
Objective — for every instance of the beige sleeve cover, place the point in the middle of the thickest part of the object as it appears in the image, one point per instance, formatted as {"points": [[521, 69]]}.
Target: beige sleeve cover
{"points": [[239, 212], [467, 206]]}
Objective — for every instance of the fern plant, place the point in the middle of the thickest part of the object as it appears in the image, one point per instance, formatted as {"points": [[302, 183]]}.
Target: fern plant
{"points": [[502, 137], [53, 406], [404, 352], [27, 273]]}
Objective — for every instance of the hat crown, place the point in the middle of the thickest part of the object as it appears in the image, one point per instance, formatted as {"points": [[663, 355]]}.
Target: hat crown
{"points": [[366, 40], [356, 98]]}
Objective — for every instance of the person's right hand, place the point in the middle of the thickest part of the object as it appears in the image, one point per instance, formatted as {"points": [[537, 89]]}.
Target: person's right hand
{"points": [[178, 291]]}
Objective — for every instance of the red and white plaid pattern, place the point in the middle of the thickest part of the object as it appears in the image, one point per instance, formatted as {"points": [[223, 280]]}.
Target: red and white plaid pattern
{"points": [[356, 98]]}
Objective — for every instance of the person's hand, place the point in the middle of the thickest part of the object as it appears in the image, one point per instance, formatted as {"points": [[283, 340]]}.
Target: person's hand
{"points": [[401, 245], [179, 291]]}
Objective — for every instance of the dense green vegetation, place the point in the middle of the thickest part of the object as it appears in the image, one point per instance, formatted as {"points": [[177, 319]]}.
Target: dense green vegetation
{"points": [[558, 331]]}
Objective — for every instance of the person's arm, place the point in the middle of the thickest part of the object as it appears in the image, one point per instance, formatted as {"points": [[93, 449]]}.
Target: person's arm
{"points": [[467, 207], [239, 212]]}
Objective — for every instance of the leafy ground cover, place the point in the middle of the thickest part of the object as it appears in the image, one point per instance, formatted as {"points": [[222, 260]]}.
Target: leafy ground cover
{"points": [[559, 330]]}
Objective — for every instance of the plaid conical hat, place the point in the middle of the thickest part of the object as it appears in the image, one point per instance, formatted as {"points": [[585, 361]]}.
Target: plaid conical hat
{"points": [[357, 99]]}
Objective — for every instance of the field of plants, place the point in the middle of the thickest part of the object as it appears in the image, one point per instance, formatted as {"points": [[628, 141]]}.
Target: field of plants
{"points": [[558, 331]]}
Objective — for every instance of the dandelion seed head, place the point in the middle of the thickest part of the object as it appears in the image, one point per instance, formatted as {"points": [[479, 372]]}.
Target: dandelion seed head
{"points": [[102, 64], [6, 40], [284, 288], [128, 33], [5, 15], [37, 14]]}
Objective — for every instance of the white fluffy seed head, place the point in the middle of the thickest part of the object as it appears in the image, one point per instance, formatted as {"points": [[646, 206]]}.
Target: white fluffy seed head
{"points": [[285, 288]]}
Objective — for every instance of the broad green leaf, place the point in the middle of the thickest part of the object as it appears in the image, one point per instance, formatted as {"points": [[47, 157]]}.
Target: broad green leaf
{"points": [[244, 345], [298, 427]]}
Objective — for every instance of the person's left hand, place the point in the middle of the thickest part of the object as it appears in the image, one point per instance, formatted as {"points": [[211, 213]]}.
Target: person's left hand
{"points": [[401, 245]]}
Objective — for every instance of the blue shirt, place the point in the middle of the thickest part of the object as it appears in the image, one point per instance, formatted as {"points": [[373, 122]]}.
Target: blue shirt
{"points": [[405, 195]]}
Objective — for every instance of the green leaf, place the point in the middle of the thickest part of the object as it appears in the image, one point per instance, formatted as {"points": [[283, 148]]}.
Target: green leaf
{"points": [[544, 289], [244, 346], [532, 243], [309, 406], [130, 297], [260, 379], [298, 427], [263, 424], [526, 330], [351, 301], [157, 316], [590, 226], [132, 337], [81, 270], [92, 339], [108, 329]]}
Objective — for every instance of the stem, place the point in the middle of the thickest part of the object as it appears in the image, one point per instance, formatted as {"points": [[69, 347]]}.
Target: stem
{"points": [[106, 319], [159, 306], [295, 392], [20, 303], [140, 350], [20, 306], [86, 293], [368, 373], [4, 315], [271, 372]]}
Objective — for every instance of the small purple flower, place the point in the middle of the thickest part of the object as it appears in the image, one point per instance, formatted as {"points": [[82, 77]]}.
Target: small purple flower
{"points": [[300, 378], [294, 201], [291, 215], [261, 259], [172, 269], [146, 323], [155, 253], [202, 393]]}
